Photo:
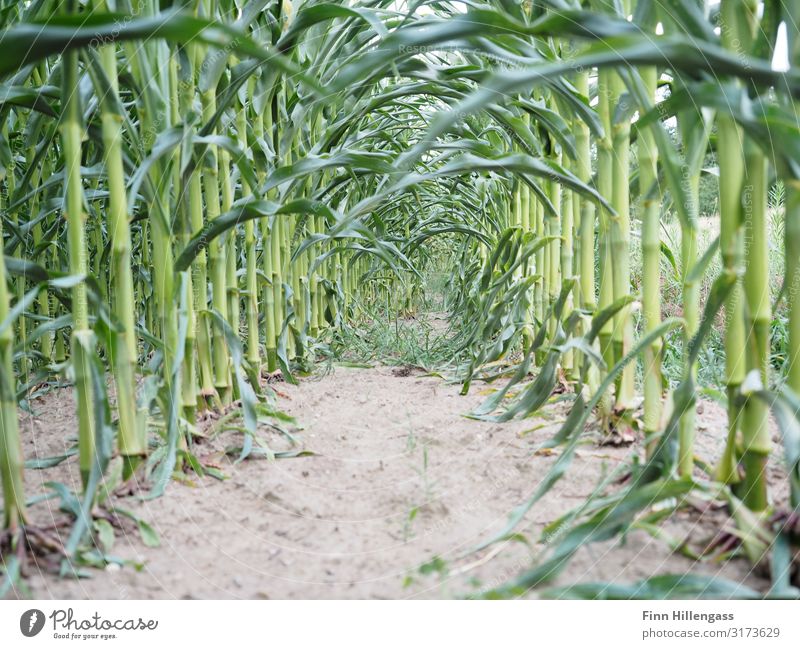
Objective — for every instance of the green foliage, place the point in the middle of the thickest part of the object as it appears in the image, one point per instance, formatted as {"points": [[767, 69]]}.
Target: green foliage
{"points": [[294, 175]]}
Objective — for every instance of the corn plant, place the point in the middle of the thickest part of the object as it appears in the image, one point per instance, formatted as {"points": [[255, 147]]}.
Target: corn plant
{"points": [[203, 194]]}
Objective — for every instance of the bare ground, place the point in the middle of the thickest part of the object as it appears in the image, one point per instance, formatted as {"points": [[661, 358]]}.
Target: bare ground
{"points": [[399, 476]]}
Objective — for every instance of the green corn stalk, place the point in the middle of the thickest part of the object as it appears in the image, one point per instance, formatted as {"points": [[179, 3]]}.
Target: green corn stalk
{"points": [[147, 62], [313, 281], [11, 459], [41, 174], [198, 373], [792, 232], [758, 318], [586, 220], [82, 340], [738, 19], [539, 263], [132, 441], [619, 238], [605, 186], [567, 252], [251, 276], [691, 126], [526, 217], [792, 280], [216, 257], [270, 255], [200, 297], [587, 208], [651, 265], [269, 267], [189, 197], [231, 252], [19, 283], [553, 228]]}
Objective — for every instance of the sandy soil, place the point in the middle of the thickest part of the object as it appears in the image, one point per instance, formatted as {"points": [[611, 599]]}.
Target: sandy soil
{"points": [[399, 476]]}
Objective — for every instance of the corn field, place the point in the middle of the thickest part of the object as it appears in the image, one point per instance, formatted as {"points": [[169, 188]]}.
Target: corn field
{"points": [[202, 197]]}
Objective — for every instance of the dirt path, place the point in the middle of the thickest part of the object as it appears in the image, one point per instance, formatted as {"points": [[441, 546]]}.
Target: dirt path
{"points": [[399, 476]]}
